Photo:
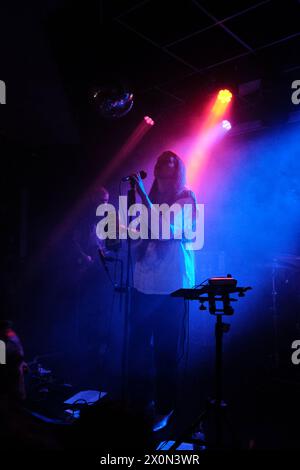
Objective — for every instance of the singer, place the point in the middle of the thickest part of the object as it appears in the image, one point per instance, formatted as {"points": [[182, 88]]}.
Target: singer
{"points": [[161, 267]]}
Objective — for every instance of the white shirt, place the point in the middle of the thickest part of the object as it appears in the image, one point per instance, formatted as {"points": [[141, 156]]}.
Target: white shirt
{"points": [[167, 265]]}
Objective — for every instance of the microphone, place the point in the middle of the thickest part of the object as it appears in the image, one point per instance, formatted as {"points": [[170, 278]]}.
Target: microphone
{"points": [[142, 173]]}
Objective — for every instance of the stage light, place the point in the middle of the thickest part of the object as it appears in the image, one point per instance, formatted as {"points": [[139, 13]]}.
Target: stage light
{"points": [[221, 104], [149, 121], [226, 125], [224, 96]]}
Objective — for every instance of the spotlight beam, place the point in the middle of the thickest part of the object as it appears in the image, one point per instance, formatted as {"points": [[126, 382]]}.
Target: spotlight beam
{"points": [[66, 225], [211, 132]]}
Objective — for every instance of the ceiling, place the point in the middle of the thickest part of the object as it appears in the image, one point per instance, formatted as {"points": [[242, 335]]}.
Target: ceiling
{"points": [[171, 54], [176, 51]]}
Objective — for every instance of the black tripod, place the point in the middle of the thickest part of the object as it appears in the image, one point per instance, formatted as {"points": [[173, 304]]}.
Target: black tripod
{"points": [[212, 294]]}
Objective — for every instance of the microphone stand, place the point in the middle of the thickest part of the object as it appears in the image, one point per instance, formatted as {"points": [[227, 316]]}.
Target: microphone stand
{"points": [[131, 199]]}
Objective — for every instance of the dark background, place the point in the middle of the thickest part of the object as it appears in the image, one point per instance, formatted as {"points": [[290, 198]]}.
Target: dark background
{"points": [[53, 143]]}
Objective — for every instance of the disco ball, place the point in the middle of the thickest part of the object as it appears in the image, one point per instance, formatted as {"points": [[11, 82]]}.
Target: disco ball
{"points": [[112, 102]]}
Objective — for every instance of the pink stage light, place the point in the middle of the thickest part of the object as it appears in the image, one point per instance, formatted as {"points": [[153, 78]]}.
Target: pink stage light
{"points": [[149, 120]]}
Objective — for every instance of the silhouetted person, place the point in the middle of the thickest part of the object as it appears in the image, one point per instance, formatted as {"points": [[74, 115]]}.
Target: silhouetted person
{"points": [[156, 321], [19, 430]]}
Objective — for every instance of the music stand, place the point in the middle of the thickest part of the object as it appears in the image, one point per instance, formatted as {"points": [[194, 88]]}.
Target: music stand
{"points": [[213, 293]]}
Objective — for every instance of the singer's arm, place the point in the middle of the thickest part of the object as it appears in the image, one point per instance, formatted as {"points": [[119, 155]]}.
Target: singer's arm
{"points": [[182, 221], [142, 191]]}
